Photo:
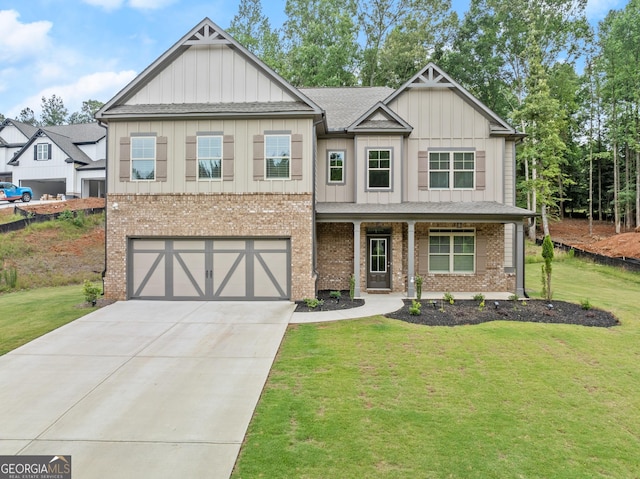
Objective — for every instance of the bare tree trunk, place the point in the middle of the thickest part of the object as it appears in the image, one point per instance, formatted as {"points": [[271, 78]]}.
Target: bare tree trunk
{"points": [[534, 200], [545, 220], [591, 189], [616, 188], [627, 197], [638, 189]]}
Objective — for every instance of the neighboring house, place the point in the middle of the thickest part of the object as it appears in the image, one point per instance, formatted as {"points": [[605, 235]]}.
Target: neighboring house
{"points": [[56, 160], [226, 182]]}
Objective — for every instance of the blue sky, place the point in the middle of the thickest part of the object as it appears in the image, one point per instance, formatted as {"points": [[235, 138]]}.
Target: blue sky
{"points": [[90, 49]]}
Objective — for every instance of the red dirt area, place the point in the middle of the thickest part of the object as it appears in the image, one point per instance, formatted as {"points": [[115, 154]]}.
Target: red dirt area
{"points": [[57, 206], [603, 240]]}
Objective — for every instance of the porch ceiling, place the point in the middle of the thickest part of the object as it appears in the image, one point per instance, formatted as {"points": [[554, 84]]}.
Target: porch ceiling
{"points": [[454, 212]]}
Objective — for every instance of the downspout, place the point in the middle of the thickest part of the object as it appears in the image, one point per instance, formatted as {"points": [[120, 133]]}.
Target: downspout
{"points": [[314, 241], [106, 187]]}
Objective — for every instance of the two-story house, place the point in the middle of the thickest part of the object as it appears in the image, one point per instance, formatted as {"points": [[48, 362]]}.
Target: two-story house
{"points": [[55, 160], [226, 182]]}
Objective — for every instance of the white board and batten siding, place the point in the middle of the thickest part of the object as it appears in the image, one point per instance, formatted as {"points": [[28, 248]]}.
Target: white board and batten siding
{"points": [[442, 120], [335, 192], [211, 74], [242, 133]]}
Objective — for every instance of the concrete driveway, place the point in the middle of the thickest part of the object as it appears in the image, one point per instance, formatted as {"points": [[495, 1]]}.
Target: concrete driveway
{"points": [[142, 389]]}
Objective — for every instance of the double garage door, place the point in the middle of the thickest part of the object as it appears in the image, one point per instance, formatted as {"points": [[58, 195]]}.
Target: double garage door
{"points": [[210, 269]]}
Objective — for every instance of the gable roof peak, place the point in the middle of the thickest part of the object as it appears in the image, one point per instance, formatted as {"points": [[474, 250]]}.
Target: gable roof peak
{"points": [[432, 76]]}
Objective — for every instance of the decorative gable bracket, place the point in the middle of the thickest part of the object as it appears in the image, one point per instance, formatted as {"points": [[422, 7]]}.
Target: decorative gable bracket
{"points": [[430, 78], [207, 35]]}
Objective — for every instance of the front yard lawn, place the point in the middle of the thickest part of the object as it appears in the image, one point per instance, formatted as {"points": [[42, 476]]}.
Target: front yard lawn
{"points": [[380, 398], [26, 315]]}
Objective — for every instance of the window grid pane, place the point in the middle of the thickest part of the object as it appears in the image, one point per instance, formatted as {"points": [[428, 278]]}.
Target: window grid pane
{"points": [[209, 157], [277, 156], [451, 253], [336, 167], [457, 174], [143, 158], [379, 174]]}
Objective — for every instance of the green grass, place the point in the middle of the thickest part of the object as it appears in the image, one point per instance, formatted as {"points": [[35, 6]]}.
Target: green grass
{"points": [[379, 398], [27, 315]]}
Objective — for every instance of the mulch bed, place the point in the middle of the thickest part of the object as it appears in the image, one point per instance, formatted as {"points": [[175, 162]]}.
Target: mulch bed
{"points": [[329, 303], [464, 312]]}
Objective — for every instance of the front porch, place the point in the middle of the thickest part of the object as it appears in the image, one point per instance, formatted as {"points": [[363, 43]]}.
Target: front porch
{"points": [[384, 253]]}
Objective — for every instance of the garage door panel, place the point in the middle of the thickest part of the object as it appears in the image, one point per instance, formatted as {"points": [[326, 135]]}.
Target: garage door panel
{"points": [[270, 273], [229, 275], [149, 275], [210, 269], [189, 275]]}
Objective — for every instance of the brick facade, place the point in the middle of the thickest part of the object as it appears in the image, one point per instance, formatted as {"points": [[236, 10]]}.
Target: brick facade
{"points": [[335, 255], [335, 258], [211, 215]]}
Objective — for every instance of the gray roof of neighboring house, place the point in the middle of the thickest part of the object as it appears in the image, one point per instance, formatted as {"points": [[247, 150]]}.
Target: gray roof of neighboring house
{"points": [[446, 211], [173, 109], [80, 133], [67, 137], [25, 128], [343, 105], [94, 165]]}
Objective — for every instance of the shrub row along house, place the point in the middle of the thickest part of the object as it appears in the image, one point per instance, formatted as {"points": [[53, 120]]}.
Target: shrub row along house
{"points": [[226, 182], [65, 160]]}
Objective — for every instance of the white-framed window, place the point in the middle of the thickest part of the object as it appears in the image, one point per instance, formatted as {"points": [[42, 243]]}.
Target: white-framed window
{"points": [[277, 156], [452, 251], [379, 169], [143, 158], [336, 166], [209, 157], [451, 169], [43, 151]]}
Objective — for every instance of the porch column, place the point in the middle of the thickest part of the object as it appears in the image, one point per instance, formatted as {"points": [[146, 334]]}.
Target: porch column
{"points": [[411, 290], [356, 257], [520, 259]]}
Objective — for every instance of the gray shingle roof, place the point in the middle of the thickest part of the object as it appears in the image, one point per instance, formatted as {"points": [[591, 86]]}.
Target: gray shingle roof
{"points": [[453, 211], [95, 165], [208, 108], [343, 106], [79, 133]]}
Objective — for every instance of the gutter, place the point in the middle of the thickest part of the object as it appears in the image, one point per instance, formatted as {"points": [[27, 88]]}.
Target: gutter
{"points": [[106, 210]]}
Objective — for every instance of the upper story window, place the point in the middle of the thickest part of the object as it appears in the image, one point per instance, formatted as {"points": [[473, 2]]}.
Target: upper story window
{"points": [[277, 156], [452, 251], [451, 170], [336, 166], [143, 158], [209, 157], [42, 152], [379, 169]]}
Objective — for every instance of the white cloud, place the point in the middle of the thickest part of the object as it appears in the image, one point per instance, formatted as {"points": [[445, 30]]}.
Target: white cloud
{"points": [[20, 40], [150, 4], [106, 4], [101, 86]]}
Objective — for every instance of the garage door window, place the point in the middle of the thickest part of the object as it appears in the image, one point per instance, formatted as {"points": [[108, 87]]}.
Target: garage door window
{"points": [[143, 158]]}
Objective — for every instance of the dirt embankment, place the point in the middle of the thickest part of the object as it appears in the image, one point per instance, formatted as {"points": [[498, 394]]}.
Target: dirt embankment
{"points": [[603, 239]]}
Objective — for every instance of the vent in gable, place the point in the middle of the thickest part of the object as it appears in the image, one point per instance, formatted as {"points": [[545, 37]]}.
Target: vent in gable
{"points": [[207, 35]]}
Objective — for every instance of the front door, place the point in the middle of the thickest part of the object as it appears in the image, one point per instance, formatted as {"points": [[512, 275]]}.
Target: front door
{"points": [[379, 262]]}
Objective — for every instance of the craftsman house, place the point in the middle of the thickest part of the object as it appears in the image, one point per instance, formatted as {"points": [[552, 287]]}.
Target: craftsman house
{"points": [[65, 160], [226, 182]]}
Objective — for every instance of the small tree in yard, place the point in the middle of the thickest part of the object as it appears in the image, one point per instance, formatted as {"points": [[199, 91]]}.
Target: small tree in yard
{"points": [[547, 254]]}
